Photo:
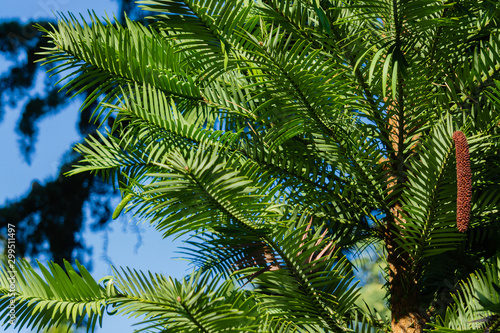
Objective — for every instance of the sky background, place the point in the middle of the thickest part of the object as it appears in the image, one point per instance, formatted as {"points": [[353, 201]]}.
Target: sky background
{"points": [[138, 247]]}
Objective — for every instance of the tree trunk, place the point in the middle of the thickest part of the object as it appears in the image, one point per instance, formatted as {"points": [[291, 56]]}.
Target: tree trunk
{"points": [[403, 274], [403, 286], [404, 293]]}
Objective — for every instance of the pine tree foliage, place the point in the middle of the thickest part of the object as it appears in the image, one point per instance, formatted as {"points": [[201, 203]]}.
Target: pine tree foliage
{"points": [[285, 134]]}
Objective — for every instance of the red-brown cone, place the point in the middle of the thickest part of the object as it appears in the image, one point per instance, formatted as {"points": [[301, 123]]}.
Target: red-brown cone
{"points": [[464, 181]]}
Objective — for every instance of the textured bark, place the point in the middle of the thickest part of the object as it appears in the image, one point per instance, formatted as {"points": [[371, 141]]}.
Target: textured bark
{"points": [[404, 291], [403, 274]]}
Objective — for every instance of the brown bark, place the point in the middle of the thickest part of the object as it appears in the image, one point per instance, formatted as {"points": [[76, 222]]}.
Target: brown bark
{"points": [[403, 286], [403, 275]]}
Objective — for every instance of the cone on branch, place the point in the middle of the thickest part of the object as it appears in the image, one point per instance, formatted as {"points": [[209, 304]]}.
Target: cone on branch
{"points": [[464, 181]]}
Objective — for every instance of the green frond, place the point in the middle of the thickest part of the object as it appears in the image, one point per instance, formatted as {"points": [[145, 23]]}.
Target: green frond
{"points": [[225, 251], [310, 282], [51, 299], [367, 323], [467, 312], [195, 303], [199, 190], [278, 325], [115, 56], [194, 22]]}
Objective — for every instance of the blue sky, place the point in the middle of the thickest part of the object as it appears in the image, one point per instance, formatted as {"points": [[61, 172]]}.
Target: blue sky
{"points": [[56, 134], [36, 9]]}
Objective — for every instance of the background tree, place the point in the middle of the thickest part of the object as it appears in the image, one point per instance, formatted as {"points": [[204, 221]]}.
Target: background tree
{"points": [[286, 134], [371, 270], [50, 218]]}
